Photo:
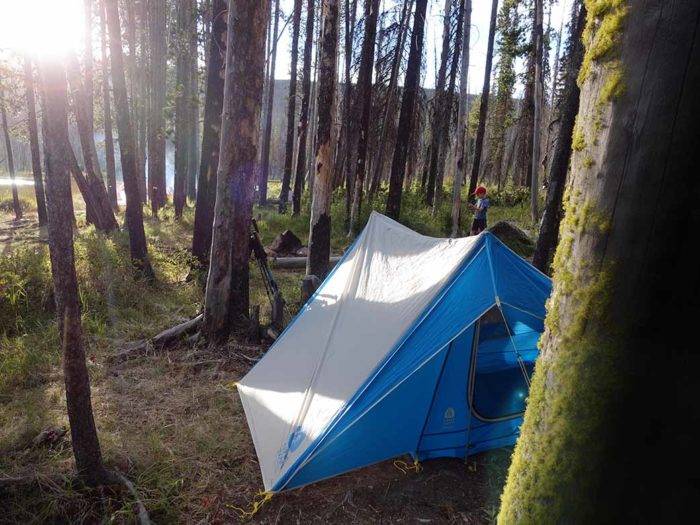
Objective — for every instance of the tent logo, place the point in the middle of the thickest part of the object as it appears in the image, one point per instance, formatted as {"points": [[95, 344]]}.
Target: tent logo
{"points": [[293, 441], [448, 418]]}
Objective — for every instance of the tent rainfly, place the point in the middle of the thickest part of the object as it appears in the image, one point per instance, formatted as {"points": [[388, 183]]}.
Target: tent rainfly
{"points": [[411, 345]]}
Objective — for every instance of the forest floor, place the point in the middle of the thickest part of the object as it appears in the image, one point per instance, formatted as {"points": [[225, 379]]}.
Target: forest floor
{"points": [[172, 421]]}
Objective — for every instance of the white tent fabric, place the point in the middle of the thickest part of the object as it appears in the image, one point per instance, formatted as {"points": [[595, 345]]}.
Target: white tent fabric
{"points": [[333, 347]]}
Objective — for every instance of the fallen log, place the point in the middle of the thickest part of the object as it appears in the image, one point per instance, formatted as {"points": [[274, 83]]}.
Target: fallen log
{"points": [[296, 263], [164, 339]]}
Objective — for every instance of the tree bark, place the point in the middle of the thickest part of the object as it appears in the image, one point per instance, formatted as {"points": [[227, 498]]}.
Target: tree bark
{"points": [[10, 158], [269, 106], [86, 447], [227, 295], [551, 217], [363, 110], [320, 228], [183, 115], [484, 105], [291, 109], [133, 91], [104, 216], [34, 141], [193, 106], [211, 135], [537, 117], [462, 121], [157, 16], [107, 113], [127, 145], [410, 92], [303, 130], [616, 379]]}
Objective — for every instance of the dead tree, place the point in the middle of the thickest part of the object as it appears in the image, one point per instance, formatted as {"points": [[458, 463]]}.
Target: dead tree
{"points": [[157, 15], [484, 104], [291, 109], [536, 120], [34, 141], [226, 299], [549, 229], [269, 106], [363, 108], [86, 447], [410, 92], [303, 130], [211, 135], [127, 145], [320, 230], [624, 271]]}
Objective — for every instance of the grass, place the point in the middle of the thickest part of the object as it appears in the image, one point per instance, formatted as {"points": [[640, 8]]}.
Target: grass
{"points": [[172, 422]]}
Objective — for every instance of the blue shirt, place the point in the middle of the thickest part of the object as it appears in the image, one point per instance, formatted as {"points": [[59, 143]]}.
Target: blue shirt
{"points": [[482, 206]]}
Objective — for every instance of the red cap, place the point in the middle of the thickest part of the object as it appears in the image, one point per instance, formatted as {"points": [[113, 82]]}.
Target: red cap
{"points": [[479, 189]]}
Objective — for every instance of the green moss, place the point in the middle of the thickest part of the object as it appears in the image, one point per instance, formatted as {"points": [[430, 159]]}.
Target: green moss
{"points": [[588, 162], [578, 140], [601, 35], [613, 87]]}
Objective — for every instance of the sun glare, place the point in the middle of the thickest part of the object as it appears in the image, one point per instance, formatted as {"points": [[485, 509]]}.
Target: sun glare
{"points": [[48, 27]]}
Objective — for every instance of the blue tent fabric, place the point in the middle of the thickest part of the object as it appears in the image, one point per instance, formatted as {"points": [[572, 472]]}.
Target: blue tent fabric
{"points": [[453, 385]]}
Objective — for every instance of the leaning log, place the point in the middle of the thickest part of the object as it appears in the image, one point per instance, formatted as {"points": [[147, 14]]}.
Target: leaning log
{"points": [[296, 263]]}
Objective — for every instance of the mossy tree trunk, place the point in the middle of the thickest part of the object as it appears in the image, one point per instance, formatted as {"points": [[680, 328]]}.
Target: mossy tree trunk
{"points": [[320, 227], [610, 426], [484, 103], [86, 447], [127, 145], [406, 115], [551, 217], [303, 130], [226, 299], [211, 135], [34, 140]]}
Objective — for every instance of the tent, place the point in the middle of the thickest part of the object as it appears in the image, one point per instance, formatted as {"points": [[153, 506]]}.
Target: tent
{"points": [[411, 345]]}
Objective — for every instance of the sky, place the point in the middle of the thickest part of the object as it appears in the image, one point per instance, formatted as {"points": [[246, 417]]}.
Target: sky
{"points": [[54, 25]]}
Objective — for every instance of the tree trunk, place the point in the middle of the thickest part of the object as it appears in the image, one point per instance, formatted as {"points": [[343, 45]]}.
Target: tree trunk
{"points": [[182, 104], [104, 216], [157, 16], [363, 110], [269, 106], [133, 91], [484, 106], [304, 116], [345, 159], [142, 107], [127, 145], [10, 158], [34, 141], [438, 104], [291, 109], [443, 127], [211, 135], [549, 229], [537, 117], [193, 106], [388, 121], [320, 229], [462, 121], [107, 112], [86, 447], [227, 295], [410, 92], [608, 432]]}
